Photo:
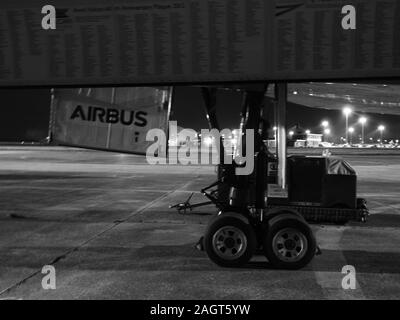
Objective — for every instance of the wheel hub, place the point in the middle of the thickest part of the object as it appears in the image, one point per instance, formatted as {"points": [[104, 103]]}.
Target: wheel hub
{"points": [[229, 242], [289, 245]]}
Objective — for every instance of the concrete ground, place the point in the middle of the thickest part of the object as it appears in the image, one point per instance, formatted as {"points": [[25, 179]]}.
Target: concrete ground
{"points": [[102, 220]]}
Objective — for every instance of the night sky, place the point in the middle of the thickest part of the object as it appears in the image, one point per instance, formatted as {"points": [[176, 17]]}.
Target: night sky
{"points": [[24, 115]]}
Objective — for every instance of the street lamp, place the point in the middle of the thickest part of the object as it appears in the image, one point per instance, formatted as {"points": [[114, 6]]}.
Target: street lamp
{"points": [[327, 132], [381, 128], [208, 141], [308, 132], [347, 112], [351, 131], [325, 124], [363, 121]]}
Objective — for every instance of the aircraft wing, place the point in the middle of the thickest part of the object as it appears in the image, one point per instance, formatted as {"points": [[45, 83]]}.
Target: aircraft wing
{"points": [[381, 98]]}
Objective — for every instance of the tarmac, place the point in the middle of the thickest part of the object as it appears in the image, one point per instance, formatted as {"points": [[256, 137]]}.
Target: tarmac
{"points": [[102, 220]]}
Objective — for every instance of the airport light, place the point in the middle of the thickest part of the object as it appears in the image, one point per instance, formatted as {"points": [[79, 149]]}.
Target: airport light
{"points": [[351, 131], [347, 112], [327, 132], [208, 141], [363, 121], [381, 128], [234, 141], [275, 130]]}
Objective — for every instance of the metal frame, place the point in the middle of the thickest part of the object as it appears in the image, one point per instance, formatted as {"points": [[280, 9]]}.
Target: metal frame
{"points": [[252, 118]]}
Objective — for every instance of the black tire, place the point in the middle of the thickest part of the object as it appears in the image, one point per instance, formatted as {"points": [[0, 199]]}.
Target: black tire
{"points": [[291, 254], [221, 241]]}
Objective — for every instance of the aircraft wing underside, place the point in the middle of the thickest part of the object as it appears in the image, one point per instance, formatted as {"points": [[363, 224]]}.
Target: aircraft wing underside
{"points": [[373, 98]]}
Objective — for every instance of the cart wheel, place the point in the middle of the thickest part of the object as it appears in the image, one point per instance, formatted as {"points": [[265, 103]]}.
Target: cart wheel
{"points": [[230, 241], [289, 243]]}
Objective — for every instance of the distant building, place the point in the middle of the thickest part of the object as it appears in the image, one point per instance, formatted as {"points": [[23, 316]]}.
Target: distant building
{"points": [[299, 137], [175, 139]]}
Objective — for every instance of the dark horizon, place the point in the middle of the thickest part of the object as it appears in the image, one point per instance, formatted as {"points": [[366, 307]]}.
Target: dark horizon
{"points": [[25, 115]]}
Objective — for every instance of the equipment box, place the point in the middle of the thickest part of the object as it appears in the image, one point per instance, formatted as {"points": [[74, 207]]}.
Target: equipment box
{"points": [[328, 182]]}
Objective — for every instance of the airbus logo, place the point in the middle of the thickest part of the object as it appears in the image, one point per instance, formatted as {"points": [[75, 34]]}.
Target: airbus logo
{"points": [[110, 115]]}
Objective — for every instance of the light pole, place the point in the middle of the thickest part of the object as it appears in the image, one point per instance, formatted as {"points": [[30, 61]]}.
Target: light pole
{"points": [[351, 131], [363, 121], [347, 112], [325, 126], [275, 129], [327, 132], [381, 128]]}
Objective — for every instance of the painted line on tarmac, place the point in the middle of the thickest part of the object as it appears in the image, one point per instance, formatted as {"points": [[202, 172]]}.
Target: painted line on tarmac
{"points": [[97, 189], [111, 227], [384, 208], [394, 195], [331, 282], [87, 168]]}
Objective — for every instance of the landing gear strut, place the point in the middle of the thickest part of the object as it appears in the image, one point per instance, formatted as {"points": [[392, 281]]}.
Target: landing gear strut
{"points": [[244, 224]]}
